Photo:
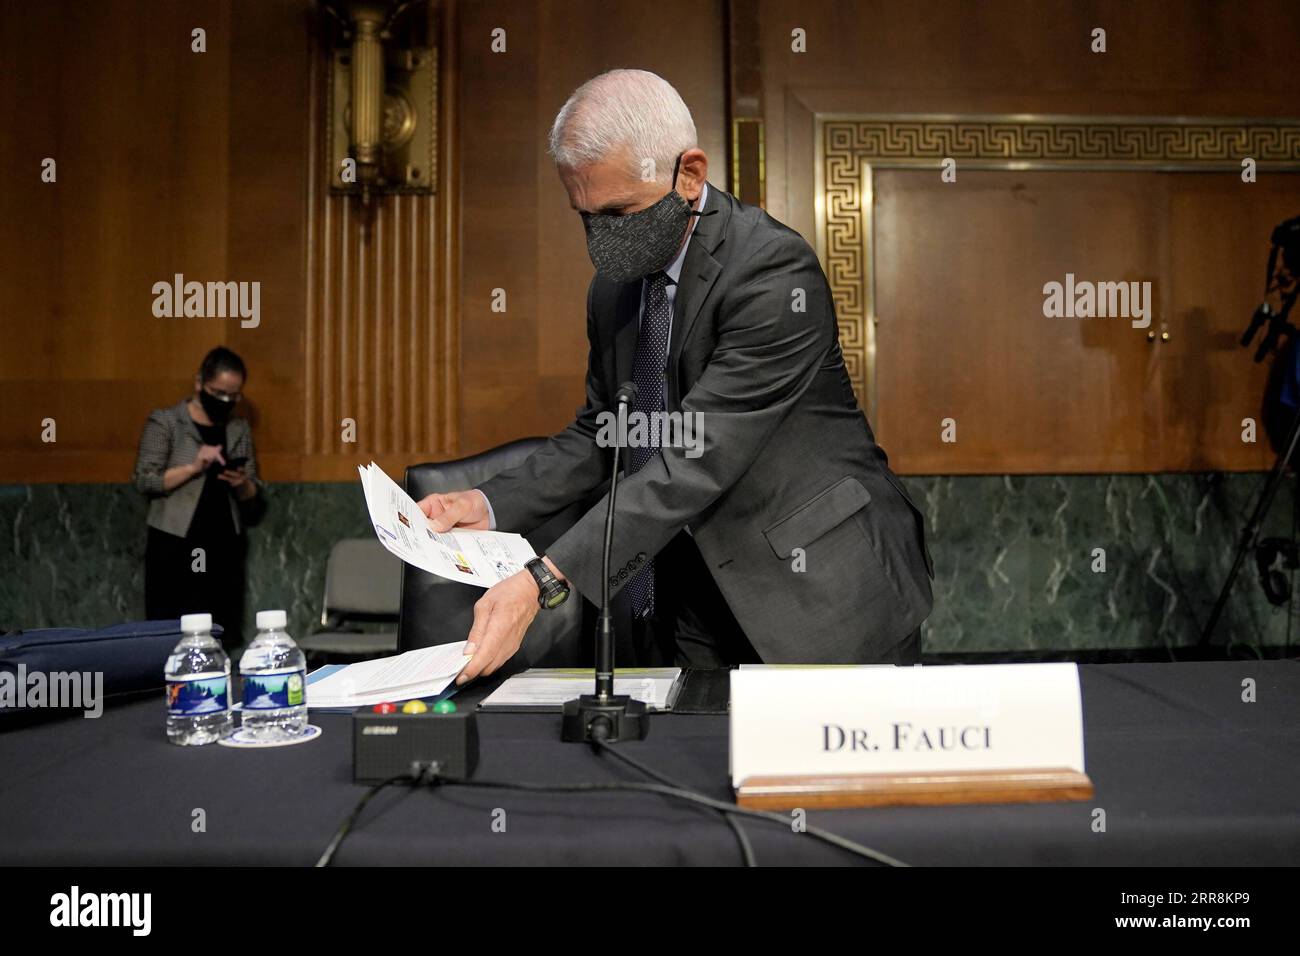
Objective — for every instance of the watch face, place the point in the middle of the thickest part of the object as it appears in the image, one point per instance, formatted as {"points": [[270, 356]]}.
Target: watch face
{"points": [[556, 599]]}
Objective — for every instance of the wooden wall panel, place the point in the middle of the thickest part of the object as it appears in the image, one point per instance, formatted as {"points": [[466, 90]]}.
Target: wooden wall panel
{"points": [[1165, 58], [372, 340], [142, 194], [962, 336], [268, 162], [1070, 395], [1005, 57], [1216, 250], [209, 165], [378, 338], [522, 370]]}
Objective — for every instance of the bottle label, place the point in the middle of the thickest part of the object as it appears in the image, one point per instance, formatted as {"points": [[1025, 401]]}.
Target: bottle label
{"points": [[275, 691], [198, 695]]}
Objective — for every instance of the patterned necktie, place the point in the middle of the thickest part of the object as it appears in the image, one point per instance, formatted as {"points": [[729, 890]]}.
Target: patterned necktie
{"points": [[648, 368]]}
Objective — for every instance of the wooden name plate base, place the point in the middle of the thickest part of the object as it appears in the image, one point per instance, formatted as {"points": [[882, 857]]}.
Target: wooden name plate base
{"points": [[913, 789]]}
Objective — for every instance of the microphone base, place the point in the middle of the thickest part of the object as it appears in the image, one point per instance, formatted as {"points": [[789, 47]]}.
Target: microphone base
{"points": [[617, 717]]}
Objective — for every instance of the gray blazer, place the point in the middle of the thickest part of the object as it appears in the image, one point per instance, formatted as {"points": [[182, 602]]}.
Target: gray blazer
{"points": [[812, 540], [170, 438]]}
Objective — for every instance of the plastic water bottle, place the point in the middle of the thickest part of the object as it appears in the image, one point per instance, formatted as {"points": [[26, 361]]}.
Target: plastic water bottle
{"points": [[274, 672], [198, 686]]}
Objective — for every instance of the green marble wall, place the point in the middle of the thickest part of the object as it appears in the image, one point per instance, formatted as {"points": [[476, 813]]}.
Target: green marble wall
{"points": [[1014, 560], [1013, 557], [73, 555]]}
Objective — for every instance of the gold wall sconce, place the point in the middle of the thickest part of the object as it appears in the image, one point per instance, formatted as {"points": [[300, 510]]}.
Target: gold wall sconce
{"points": [[382, 101]]}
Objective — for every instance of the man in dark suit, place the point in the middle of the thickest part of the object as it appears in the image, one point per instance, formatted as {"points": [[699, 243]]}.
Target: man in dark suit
{"points": [[782, 535]]}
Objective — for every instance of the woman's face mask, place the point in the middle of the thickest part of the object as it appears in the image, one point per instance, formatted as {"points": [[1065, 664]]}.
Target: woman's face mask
{"points": [[623, 248], [216, 409]]}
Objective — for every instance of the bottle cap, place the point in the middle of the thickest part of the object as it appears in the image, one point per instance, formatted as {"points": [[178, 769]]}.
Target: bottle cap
{"points": [[196, 622], [271, 620]]}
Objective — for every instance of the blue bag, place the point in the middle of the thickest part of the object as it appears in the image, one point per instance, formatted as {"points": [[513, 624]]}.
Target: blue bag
{"points": [[110, 661]]}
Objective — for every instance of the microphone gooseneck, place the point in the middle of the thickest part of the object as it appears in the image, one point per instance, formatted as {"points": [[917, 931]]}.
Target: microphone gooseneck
{"points": [[623, 399]]}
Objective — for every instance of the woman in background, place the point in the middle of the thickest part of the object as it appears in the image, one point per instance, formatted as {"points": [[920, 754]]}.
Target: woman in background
{"points": [[197, 467]]}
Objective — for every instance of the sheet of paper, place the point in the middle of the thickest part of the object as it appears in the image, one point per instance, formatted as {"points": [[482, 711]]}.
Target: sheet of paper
{"points": [[481, 558], [424, 672], [546, 688]]}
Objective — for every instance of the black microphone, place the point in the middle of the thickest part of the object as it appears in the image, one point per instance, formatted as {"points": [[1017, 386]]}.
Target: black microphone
{"points": [[1277, 326], [604, 716], [624, 398], [1257, 322], [626, 395]]}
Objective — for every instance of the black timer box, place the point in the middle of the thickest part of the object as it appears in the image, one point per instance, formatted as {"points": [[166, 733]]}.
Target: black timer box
{"points": [[386, 745]]}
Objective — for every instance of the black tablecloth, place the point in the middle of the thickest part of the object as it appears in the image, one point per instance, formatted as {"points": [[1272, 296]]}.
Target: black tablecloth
{"points": [[1185, 770]]}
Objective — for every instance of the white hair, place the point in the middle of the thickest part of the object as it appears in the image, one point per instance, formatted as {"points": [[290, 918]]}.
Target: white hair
{"points": [[624, 108]]}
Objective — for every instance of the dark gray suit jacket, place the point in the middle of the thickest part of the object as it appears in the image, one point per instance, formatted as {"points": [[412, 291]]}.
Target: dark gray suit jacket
{"points": [[811, 539]]}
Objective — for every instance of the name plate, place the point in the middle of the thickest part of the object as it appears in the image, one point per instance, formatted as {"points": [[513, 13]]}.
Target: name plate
{"points": [[838, 722]]}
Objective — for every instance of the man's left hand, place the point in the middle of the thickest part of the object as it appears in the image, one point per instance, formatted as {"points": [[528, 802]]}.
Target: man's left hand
{"points": [[501, 616]]}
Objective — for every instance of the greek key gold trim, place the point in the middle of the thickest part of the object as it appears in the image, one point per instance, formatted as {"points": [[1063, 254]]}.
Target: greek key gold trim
{"points": [[850, 146]]}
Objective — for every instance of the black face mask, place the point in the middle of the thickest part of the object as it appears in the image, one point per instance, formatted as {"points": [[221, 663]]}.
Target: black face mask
{"points": [[215, 408], [623, 248]]}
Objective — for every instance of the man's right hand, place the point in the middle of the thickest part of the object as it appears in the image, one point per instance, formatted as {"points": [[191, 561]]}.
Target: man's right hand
{"points": [[456, 509]]}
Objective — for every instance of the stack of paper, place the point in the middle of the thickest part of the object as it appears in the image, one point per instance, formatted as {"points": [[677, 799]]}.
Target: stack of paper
{"points": [[425, 672], [472, 557], [544, 688]]}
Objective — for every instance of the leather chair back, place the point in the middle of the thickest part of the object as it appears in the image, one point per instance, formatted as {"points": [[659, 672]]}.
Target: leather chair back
{"points": [[438, 611]]}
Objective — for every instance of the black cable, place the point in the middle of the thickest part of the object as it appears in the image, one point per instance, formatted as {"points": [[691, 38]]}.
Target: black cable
{"points": [[346, 827], [688, 796], [746, 848], [429, 776], [742, 838], [1257, 649], [1254, 525]]}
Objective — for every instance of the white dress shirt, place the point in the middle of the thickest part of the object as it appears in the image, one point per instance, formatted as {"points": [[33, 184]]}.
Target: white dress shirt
{"points": [[674, 271]]}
